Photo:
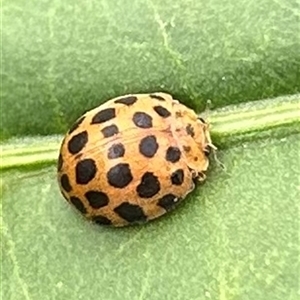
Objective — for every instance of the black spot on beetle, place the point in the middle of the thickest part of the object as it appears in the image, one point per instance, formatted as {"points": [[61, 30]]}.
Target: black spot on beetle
{"points": [[190, 130], [101, 220], [96, 199], [149, 186], [202, 120], [142, 120], [127, 100], [178, 114], [177, 177], [78, 142], [148, 146], [59, 162], [85, 171], [65, 183], [104, 115], [78, 204], [76, 124], [119, 176], [157, 97], [173, 154], [168, 202], [187, 148], [130, 212], [116, 151], [163, 112], [109, 131]]}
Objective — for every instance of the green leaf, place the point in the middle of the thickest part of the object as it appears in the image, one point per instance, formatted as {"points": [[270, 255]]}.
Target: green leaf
{"points": [[61, 58], [235, 237]]}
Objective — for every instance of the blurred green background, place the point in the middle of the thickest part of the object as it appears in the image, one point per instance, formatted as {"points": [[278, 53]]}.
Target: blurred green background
{"points": [[234, 238], [61, 58]]}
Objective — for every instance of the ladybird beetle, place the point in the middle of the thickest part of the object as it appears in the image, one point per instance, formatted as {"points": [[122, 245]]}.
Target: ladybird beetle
{"points": [[133, 158]]}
